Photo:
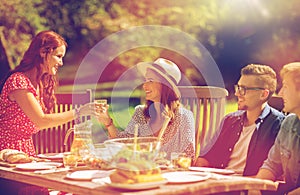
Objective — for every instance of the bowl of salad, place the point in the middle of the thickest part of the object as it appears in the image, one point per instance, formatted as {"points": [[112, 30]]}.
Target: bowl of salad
{"points": [[133, 149]]}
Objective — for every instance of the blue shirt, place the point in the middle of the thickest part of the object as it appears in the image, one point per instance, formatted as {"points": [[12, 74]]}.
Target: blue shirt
{"points": [[284, 156]]}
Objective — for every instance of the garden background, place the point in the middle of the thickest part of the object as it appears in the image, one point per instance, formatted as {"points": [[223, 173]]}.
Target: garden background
{"points": [[234, 32]]}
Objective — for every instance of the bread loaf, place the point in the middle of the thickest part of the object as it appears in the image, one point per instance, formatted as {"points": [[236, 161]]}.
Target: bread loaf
{"points": [[14, 156], [5, 151]]}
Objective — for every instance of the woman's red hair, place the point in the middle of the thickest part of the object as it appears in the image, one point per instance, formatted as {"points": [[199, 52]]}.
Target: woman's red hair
{"points": [[43, 42]]}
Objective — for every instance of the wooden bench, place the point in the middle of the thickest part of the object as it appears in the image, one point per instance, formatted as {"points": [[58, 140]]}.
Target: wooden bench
{"points": [[208, 105], [51, 139]]}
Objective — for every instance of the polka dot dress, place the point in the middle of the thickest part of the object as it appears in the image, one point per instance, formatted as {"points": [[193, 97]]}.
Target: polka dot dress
{"points": [[178, 137], [16, 128]]}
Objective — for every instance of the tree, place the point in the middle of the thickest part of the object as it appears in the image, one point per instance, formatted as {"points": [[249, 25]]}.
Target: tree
{"points": [[20, 21], [4, 61]]}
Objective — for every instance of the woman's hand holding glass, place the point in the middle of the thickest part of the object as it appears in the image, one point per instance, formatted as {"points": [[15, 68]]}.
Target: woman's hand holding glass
{"points": [[102, 111], [88, 109]]}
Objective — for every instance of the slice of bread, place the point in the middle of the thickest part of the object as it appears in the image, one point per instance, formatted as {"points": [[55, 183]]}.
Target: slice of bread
{"points": [[14, 156], [5, 152]]}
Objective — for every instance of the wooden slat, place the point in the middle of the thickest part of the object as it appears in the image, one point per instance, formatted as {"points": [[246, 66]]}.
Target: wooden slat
{"points": [[208, 105]]}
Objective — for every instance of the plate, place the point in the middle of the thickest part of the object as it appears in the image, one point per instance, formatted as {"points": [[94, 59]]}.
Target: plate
{"points": [[88, 174], [137, 186], [185, 176], [38, 165], [212, 170], [51, 156]]}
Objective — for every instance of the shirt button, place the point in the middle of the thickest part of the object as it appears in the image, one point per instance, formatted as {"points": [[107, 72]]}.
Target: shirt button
{"points": [[230, 149], [222, 165]]}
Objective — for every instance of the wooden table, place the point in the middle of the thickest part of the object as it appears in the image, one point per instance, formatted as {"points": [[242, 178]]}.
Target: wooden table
{"points": [[58, 181]]}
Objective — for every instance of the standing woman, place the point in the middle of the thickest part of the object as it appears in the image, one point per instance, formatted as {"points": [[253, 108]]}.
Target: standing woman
{"points": [[162, 95], [27, 97]]}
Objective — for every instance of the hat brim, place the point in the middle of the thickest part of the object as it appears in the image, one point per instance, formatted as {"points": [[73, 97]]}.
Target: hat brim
{"points": [[142, 68]]}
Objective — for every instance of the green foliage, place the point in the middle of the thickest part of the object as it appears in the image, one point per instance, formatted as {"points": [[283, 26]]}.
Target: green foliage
{"points": [[19, 21], [255, 31]]}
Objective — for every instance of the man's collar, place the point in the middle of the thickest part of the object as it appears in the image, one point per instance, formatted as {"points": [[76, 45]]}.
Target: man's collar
{"points": [[264, 114]]}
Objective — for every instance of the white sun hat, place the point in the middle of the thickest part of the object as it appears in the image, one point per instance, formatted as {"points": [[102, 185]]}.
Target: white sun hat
{"points": [[165, 68]]}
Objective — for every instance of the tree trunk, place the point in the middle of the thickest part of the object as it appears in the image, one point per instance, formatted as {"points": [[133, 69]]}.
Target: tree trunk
{"points": [[4, 61]]}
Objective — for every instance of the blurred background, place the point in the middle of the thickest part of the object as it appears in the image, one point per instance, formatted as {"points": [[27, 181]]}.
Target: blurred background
{"points": [[235, 32]]}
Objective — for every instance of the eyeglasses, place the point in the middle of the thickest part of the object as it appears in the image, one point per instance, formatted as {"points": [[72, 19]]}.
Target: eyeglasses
{"points": [[242, 89]]}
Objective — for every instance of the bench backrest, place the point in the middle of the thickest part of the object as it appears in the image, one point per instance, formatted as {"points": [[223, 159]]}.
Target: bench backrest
{"points": [[208, 105]]}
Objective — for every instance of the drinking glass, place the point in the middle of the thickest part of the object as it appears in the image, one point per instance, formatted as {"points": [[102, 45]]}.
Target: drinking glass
{"points": [[70, 160], [100, 103], [180, 160]]}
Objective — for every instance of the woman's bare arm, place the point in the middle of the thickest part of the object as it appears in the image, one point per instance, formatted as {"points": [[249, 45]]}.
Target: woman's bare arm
{"points": [[33, 110]]}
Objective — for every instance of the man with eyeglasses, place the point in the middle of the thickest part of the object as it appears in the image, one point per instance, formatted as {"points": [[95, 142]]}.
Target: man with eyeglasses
{"points": [[284, 156], [245, 137]]}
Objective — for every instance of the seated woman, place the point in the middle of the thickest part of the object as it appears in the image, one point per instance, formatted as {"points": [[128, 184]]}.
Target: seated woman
{"points": [[162, 95]]}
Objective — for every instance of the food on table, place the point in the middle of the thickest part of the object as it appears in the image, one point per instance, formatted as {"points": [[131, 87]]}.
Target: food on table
{"points": [[123, 155], [129, 149], [14, 156], [136, 172], [98, 163], [127, 154]]}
